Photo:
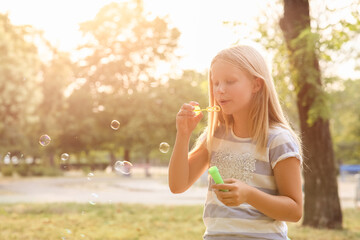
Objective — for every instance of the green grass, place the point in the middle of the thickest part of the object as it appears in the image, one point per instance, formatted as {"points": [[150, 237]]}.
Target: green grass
{"points": [[130, 222]]}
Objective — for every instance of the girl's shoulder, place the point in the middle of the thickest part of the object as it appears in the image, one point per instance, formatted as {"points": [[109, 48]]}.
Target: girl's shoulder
{"points": [[279, 132]]}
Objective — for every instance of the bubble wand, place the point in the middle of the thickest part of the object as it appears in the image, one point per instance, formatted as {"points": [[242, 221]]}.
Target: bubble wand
{"points": [[215, 108]]}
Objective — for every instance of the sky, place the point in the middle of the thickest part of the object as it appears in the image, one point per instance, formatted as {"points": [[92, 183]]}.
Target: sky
{"points": [[200, 22]]}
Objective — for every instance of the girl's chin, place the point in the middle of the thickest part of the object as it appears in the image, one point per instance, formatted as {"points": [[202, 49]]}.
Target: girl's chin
{"points": [[227, 111]]}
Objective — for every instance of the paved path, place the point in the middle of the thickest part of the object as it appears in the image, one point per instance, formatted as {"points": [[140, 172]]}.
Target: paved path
{"points": [[111, 189], [108, 189]]}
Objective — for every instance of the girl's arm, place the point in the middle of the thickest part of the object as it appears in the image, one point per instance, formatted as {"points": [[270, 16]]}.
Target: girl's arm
{"points": [[287, 206], [185, 169]]}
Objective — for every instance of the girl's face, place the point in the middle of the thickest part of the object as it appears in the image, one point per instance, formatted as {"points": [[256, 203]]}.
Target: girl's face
{"points": [[232, 87]]}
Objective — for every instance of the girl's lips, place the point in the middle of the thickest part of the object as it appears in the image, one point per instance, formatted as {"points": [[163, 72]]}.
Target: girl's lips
{"points": [[223, 102]]}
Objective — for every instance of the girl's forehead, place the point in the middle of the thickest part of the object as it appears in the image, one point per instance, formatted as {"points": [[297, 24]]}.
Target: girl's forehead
{"points": [[225, 68]]}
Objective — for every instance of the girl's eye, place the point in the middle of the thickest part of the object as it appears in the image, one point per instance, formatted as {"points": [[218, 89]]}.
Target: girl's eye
{"points": [[230, 81]]}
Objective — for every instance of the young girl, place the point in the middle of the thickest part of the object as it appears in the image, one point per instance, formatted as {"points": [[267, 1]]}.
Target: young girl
{"points": [[250, 141]]}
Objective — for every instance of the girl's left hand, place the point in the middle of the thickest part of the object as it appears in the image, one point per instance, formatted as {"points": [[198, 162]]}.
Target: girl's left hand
{"points": [[237, 192]]}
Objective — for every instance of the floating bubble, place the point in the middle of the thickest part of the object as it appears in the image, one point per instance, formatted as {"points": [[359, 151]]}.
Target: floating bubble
{"points": [[64, 156], [89, 176], [82, 235], [92, 203], [44, 140], [94, 195], [66, 233], [164, 147], [123, 167], [115, 124]]}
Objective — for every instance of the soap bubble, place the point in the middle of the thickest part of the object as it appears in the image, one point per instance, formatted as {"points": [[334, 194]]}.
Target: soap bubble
{"points": [[115, 124], [123, 167], [164, 147], [44, 140], [94, 196], [89, 176], [64, 156]]}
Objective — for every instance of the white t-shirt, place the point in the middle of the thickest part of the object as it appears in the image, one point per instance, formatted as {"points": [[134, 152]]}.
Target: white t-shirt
{"points": [[237, 158]]}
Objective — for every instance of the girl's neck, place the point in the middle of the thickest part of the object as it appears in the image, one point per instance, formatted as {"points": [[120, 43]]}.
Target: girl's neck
{"points": [[241, 126]]}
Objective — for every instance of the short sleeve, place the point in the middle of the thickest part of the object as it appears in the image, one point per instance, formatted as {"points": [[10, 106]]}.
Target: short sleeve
{"points": [[283, 146]]}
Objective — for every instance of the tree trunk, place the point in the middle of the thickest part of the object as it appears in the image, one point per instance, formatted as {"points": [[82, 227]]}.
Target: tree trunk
{"points": [[127, 154], [51, 159], [112, 159], [322, 206], [147, 166]]}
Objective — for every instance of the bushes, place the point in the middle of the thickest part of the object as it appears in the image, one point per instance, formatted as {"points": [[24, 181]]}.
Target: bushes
{"points": [[7, 170], [29, 170], [45, 171]]}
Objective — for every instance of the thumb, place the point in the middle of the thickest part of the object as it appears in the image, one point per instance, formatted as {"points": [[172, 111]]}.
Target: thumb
{"points": [[199, 117]]}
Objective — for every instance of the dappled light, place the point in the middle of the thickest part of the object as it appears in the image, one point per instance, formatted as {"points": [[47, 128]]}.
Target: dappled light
{"points": [[90, 98]]}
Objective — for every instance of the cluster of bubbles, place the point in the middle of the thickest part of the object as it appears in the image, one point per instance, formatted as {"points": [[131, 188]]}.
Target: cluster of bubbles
{"points": [[123, 167]]}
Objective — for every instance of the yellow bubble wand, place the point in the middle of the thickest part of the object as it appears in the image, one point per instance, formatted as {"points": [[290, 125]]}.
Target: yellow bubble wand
{"points": [[215, 108]]}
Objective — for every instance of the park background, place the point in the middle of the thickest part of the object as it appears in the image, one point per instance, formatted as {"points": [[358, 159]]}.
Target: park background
{"points": [[69, 68]]}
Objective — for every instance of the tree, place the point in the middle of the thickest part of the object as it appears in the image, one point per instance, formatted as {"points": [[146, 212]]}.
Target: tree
{"points": [[19, 95], [322, 205], [125, 44], [346, 123], [56, 76]]}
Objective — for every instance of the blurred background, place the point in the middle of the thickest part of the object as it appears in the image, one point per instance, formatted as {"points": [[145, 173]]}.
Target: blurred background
{"points": [[91, 88]]}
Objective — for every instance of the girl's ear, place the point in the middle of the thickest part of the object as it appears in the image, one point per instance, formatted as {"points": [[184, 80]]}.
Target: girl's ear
{"points": [[257, 84]]}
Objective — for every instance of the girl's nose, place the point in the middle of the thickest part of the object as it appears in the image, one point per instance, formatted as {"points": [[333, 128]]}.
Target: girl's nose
{"points": [[220, 88]]}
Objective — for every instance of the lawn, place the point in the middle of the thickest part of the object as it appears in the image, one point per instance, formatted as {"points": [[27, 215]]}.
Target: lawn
{"points": [[131, 222]]}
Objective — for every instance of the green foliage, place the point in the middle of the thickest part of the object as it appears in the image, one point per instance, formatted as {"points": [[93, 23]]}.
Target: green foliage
{"points": [[7, 170], [74, 103], [44, 171], [333, 43], [345, 124], [19, 67], [23, 169]]}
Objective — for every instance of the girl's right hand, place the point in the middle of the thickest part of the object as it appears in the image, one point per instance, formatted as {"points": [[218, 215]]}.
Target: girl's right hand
{"points": [[186, 119]]}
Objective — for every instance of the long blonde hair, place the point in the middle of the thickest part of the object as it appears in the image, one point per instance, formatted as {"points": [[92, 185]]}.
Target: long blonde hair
{"points": [[265, 109]]}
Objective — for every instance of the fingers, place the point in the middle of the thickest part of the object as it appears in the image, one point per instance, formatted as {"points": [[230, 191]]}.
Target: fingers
{"points": [[193, 103], [186, 110], [222, 187]]}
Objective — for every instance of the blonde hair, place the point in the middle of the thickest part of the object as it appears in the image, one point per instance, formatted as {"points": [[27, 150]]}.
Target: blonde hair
{"points": [[265, 110]]}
